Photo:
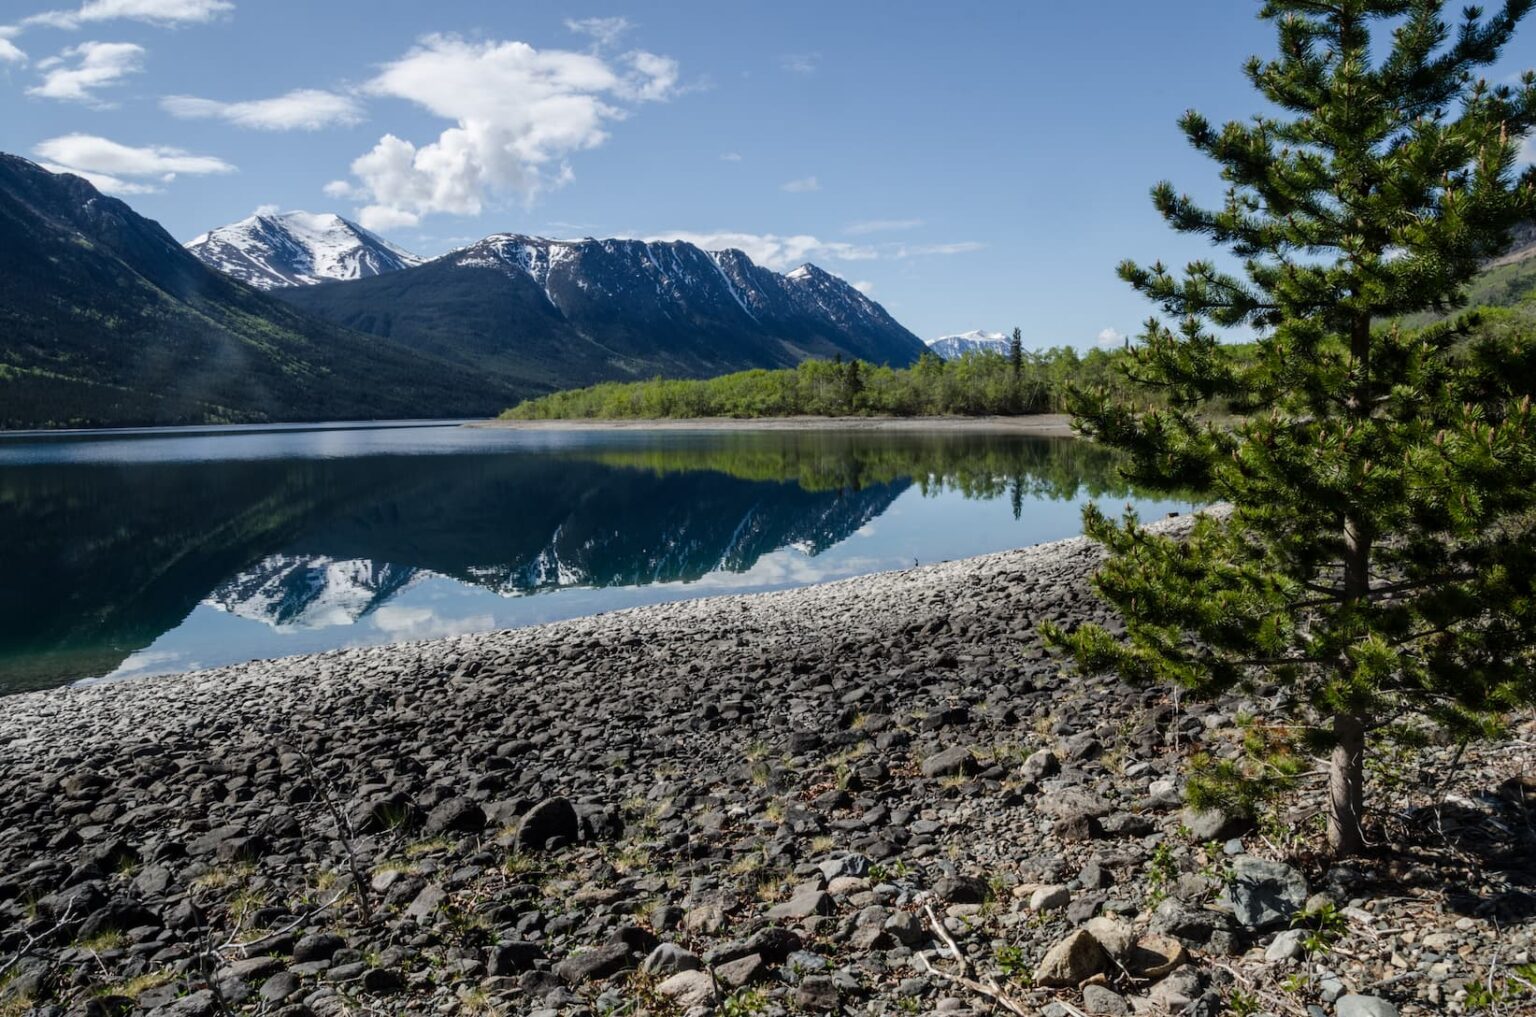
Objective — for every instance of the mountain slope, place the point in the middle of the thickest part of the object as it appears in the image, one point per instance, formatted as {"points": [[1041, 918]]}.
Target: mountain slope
{"points": [[554, 314], [105, 320], [298, 249], [953, 347]]}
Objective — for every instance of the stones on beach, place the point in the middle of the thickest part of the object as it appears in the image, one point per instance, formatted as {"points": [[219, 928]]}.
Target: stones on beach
{"points": [[763, 798]]}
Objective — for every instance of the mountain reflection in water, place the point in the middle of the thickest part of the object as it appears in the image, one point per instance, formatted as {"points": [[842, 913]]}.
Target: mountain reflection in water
{"points": [[108, 545]]}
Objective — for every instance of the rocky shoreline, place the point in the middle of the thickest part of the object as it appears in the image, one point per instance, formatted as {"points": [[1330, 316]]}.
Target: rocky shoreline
{"points": [[875, 796]]}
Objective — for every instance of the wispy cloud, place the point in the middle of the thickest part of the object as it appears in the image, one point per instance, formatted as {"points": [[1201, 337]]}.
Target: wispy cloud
{"points": [[869, 226], [867, 288], [803, 185], [305, 109], [922, 250], [10, 53], [123, 169], [519, 114], [730, 157], [160, 12], [780, 252], [800, 63], [1109, 337], [77, 73], [604, 32]]}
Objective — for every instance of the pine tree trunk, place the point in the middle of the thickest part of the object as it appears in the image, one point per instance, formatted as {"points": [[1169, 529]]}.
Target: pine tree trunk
{"points": [[1346, 786]]}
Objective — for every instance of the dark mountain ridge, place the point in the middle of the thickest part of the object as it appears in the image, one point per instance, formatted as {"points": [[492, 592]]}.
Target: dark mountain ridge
{"points": [[549, 314], [105, 320]]}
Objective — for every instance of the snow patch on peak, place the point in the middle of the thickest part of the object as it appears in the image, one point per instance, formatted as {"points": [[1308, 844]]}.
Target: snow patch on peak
{"points": [[278, 249]]}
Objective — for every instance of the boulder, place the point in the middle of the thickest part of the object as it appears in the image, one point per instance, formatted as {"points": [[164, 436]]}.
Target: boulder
{"points": [[1073, 960], [742, 971], [1265, 893], [1099, 1000], [689, 989], [953, 762], [456, 815], [552, 821], [670, 959]]}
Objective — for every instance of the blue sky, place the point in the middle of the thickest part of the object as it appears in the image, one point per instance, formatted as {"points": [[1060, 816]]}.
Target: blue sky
{"points": [[971, 164]]}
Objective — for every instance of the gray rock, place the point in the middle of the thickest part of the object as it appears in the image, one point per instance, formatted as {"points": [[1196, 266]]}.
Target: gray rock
{"points": [[456, 815], [1073, 960], [689, 989], [1363, 1006], [1265, 893], [1206, 825], [1177, 991], [669, 959], [426, 903], [279, 987], [953, 762], [814, 902], [817, 993], [1284, 947], [1040, 765], [1099, 1000], [742, 971], [552, 820], [198, 1004], [597, 963], [1050, 898]]}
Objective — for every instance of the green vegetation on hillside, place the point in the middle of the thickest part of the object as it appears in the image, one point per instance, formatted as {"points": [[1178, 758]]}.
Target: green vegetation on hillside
{"points": [[979, 384]]}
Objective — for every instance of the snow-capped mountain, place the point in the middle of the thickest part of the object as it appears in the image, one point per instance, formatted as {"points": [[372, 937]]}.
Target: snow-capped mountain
{"points": [[953, 347], [271, 251], [290, 592], [560, 313]]}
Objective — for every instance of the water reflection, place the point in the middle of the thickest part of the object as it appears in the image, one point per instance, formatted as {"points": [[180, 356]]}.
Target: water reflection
{"points": [[326, 538]]}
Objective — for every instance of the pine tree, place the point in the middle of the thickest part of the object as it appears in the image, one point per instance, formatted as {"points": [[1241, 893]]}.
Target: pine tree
{"points": [[1378, 563]]}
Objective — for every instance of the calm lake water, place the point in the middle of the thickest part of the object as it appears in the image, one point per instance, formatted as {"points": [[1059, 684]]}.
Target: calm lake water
{"points": [[132, 553]]}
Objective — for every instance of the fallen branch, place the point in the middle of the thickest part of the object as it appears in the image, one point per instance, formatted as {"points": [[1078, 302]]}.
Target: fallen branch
{"points": [[990, 988]]}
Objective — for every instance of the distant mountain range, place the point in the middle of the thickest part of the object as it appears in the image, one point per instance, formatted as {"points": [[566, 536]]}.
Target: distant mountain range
{"points": [[105, 320], [953, 347], [542, 314], [270, 251]]}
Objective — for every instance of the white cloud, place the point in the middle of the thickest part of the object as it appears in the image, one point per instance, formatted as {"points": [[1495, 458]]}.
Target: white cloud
{"points": [[304, 109], [773, 251], [76, 73], [160, 12], [730, 157], [922, 250], [519, 114], [123, 169], [267, 209], [1109, 337], [800, 63], [867, 288], [869, 226], [402, 622], [338, 189], [10, 53], [803, 185], [1528, 149], [778, 252], [605, 32]]}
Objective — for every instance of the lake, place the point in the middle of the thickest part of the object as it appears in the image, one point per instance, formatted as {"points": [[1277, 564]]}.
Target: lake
{"points": [[139, 552]]}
